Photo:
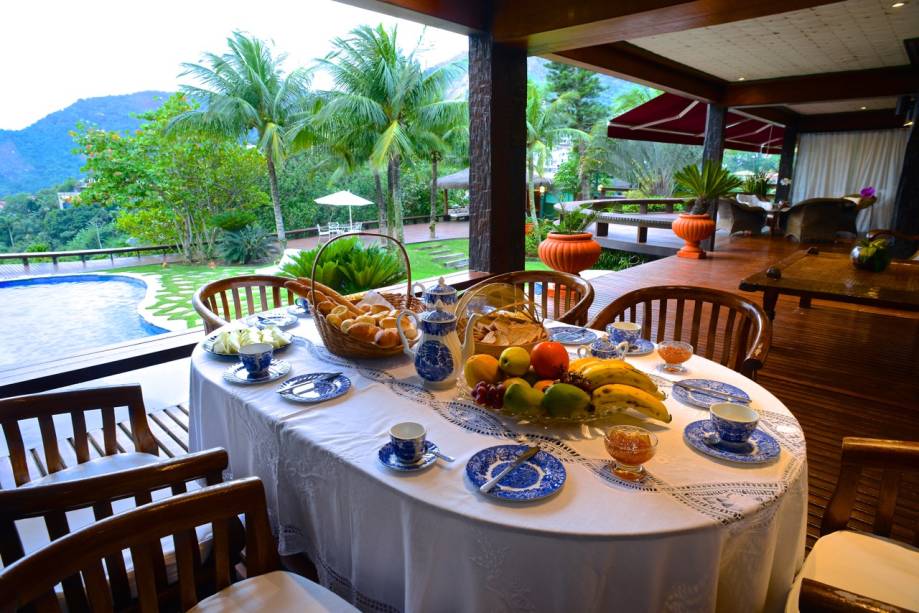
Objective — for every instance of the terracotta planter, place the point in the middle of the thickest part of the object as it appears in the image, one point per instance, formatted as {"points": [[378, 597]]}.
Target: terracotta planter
{"points": [[693, 229], [570, 253], [528, 228]]}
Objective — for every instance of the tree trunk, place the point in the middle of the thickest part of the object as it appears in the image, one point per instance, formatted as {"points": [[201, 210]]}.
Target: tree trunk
{"points": [[433, 217], [381, 202], [531, 189], [395, 201], [276, 201], [584, 186]]}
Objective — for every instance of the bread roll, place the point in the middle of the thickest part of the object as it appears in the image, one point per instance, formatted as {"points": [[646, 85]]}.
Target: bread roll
{"points": [[388, 322], [387, 338], [363, 331], [334, 319], [341, 310], [346, 325], [325, 307], [367, 319], [379, 308]]}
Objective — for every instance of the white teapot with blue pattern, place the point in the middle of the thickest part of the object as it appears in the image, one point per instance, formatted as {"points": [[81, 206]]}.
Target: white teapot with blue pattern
{"points": [[438, 355], [440, 292]]}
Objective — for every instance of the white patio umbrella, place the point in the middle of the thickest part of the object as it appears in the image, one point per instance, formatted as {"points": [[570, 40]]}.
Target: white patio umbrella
{"points": [[344, 198]]}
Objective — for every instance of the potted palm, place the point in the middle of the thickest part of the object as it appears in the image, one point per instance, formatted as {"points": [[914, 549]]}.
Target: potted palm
{"points": [[569, 247], [703, 187]]}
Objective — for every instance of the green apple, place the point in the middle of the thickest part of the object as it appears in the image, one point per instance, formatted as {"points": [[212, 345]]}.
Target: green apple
{"points": [[514, 361]]}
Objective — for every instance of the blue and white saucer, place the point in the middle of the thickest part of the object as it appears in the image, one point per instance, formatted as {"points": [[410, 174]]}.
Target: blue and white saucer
{"points": [[237, 373], [387, 456], [314, 388], [703, 400], [572, 335], [759, 449], [279, 318], [640, 347], [540, 476]]}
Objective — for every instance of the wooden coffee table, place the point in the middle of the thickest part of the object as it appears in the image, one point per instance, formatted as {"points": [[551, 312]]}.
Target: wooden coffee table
{"points": [[831, 276]]}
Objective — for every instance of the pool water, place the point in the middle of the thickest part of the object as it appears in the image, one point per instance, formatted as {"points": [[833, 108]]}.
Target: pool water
{"points": [[60, 316]]}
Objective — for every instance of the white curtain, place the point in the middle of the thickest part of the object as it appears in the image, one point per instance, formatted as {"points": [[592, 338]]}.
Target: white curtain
{"points": [[841, 163]]}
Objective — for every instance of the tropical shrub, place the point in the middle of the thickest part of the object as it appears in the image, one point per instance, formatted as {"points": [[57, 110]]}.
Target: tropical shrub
{"points": [[573, 220], [233, 220], [538, 235], [704, 186], [348, 266], [757, 184], [248, 245], [613, 259]]}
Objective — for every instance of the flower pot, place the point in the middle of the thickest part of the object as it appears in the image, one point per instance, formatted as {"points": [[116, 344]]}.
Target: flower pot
{"points": [[693, 229], [528, 228], [570, 253], [872, 259]]}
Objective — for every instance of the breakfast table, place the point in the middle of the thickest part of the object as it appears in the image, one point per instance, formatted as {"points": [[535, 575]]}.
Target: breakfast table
{"points": [[697, 534]]}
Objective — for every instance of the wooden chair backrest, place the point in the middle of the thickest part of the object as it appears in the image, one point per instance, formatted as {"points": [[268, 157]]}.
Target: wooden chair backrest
{"points": [[740, 340], [224, 300], [571, 295], [893, 458], [76, 403], [817, 597], [31, 580], [52, 502]]}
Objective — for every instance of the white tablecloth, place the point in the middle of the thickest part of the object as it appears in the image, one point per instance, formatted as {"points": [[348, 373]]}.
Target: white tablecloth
{"points": [[699, 535]]}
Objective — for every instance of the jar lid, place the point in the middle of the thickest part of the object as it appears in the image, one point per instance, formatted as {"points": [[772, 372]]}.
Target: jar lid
{"points": [[442, 288], [439, 315]]}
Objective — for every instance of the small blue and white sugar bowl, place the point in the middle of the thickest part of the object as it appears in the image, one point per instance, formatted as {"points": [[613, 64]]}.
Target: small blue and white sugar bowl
{"points": [[438, 355], [442, 292]]}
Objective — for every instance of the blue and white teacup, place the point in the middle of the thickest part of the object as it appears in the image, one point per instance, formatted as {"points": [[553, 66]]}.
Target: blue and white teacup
{"points": [[256, 359], [302, 303], [604, 349], [408, 441], [627, 331], [733, 423]]}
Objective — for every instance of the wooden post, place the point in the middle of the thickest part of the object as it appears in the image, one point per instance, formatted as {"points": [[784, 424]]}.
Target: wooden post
{"points": [[906, 205], [787, 162], [497, 155], [713, 150], [446, 205]]}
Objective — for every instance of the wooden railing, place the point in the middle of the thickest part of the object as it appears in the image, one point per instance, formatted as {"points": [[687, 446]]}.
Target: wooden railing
{"points": [[83, 254], [618, 203]]}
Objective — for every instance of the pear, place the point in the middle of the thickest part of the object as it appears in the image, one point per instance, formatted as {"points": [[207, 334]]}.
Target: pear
{"points": [[565, 400], [522, 399]]}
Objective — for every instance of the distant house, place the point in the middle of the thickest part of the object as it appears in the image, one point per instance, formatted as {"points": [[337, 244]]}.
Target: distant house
{"points": [[65, 199]]}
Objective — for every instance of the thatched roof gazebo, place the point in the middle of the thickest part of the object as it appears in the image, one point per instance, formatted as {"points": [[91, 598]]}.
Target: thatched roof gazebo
{"points": [[460, 180]]}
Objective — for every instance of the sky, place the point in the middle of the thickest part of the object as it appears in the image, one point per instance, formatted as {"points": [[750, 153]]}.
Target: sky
{"points": [[57, 51]]}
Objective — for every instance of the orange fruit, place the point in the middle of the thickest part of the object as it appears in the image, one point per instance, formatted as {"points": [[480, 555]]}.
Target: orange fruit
{"points": [[549, 359], [543, 385]]}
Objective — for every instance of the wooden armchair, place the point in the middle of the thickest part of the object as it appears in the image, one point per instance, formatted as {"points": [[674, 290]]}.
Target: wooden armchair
{"points": [[735, 217], [878, 572], [819, 219], [224, 300], [77, 404], [741, 342], [572, 295], [80, 555], [70, 505]]}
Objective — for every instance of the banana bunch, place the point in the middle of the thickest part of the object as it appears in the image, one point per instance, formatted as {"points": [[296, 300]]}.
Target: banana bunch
{"points": [[607, 372], [615, 398]]}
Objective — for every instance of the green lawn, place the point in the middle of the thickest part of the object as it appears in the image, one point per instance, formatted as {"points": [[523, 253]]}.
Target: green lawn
{"points": [[424, 266]]}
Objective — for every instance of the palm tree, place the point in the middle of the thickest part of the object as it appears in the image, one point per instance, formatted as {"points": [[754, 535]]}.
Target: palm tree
{"points": [[245, 91], [547, 122], [382, 94]]}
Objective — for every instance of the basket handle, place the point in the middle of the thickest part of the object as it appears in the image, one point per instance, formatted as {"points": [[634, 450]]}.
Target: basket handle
{"points": [[408, 264]]}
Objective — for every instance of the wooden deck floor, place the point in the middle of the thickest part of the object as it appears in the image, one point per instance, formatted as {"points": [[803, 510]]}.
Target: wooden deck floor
{"points": [[842, 370]]}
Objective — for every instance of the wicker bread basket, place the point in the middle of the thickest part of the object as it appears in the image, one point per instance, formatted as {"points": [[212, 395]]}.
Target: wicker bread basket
{"points": [[347, 346]]}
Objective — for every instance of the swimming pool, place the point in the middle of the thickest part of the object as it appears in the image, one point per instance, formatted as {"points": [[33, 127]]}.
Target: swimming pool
{"points": [[65, 315]]}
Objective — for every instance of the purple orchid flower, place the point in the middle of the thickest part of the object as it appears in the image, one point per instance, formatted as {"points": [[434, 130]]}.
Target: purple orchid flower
{"points": [[867, 192]]}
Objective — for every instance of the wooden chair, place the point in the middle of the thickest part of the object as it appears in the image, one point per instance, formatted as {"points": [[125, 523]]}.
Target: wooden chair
{"points": [[740, 340], [224, 300], [31, 580], [571, 295], [869, 565], [70, 505], [77, 404]]}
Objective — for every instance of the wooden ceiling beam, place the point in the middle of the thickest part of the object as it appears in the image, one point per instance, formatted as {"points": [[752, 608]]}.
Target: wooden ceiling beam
{"points": [[846, 85], [460, 16], [548, 26], [627, 61], [883, 119], [775, 114]]}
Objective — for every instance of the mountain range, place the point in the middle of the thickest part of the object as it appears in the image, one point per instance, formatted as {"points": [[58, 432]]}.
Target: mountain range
{"points": [[40, 155]]}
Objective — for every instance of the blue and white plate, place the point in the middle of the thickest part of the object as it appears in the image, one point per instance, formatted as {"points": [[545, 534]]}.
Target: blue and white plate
{"points": [[237, 373], [759, 449], [387, 456], [540, 476], [703, 400], [314, 388], [641, 347], [208, 345], [572, 335], [279, 318]]}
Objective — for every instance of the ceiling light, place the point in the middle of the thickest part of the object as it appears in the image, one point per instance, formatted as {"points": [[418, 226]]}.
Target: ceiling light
{"points": [[907, 123], [863, 108], [897, 5], [741, 78]]}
